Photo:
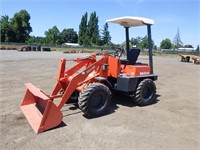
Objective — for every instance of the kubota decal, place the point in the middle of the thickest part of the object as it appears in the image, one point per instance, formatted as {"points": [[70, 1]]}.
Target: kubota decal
{"points": [[144, 73]]}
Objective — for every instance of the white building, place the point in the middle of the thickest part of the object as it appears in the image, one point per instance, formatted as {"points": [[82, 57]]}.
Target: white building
{"points": [[183, 49], [71, 44]]}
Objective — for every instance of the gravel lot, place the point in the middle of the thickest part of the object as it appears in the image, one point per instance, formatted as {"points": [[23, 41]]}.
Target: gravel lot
{"points": [[172, 123]]}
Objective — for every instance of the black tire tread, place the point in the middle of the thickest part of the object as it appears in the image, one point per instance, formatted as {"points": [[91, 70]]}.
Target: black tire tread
{"points": [[84, 95], [138, 100]]}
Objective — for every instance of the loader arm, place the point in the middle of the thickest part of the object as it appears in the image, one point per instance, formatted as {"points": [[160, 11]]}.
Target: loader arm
{"points": [[62, 73], [80, 79]]}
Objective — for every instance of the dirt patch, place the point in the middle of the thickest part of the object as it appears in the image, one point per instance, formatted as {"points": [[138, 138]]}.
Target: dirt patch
{"points": [[171, 123]]}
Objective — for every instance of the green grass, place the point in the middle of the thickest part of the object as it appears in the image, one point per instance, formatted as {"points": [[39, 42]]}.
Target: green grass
{"points": [[60, 49], [64, 49], [87, 50]]}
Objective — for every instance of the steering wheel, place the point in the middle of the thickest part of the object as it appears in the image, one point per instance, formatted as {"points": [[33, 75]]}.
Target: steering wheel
{"points": [[118, 53]]}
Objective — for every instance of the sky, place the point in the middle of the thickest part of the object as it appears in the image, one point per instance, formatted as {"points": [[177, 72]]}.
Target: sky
{"points": [[169, 15]]}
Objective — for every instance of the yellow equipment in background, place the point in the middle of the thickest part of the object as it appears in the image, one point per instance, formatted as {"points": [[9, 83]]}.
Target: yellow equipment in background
{"points": [[186, 58]]}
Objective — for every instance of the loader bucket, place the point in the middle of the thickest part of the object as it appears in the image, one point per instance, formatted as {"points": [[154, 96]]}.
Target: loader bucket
{"points": [[40, 111]]}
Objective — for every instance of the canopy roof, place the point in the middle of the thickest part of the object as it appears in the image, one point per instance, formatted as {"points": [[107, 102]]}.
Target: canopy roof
{"points": [[129, 21]]}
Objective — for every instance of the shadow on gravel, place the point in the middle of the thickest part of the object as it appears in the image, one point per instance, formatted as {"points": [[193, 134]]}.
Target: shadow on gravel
{"points": [[71, 107], [116, 102], [157, 99], [62, 124]]}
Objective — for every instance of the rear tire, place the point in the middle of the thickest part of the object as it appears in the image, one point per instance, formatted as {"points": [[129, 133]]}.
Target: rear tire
{"points": [[94, 100], [145, 93]]}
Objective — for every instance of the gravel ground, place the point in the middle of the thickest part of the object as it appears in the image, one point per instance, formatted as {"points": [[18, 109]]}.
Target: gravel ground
{"points": [[172, 123]]}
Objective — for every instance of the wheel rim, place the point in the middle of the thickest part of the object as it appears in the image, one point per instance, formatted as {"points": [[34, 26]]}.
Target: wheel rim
{"points": [[98, 101], [147, 93]]}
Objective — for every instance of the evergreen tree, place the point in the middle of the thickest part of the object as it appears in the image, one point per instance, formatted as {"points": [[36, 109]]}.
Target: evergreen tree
{"points": [[93, 29], [89, 31], [106, 38], [198, 51], [82, 35]]}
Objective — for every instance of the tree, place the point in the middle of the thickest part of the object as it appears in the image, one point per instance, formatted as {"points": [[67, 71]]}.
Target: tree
{"points": [[93, 29], [21, 26], [16, 29], [155, 47], [52, 36], [106, 38], [89, 31], [144, 43], [82, 35], [177, 40], [166, 44], [35, 40], [136, 41], [68, 35], [188, 46], [124, 44], [198, 51], [7, 33], [4, 26], [86, 41]]}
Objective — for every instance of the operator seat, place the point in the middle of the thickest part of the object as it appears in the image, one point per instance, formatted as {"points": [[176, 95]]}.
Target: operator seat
{"points": [[131, 57]]}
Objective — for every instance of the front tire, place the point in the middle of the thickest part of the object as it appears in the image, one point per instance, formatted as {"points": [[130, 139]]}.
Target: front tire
{"points": [[145, 93], [94, 100]]}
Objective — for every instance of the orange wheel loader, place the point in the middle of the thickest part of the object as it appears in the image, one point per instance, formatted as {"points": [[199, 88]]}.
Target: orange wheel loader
{"points": [[93, 81]]}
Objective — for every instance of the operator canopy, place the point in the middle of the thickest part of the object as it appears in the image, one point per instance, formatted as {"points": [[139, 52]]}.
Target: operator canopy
{"points": [[129, 21]]}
